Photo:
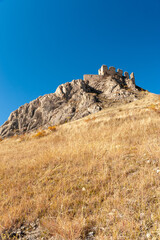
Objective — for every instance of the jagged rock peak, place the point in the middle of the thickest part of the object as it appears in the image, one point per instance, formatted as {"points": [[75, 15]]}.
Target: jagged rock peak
{"points": [[73, 100]]}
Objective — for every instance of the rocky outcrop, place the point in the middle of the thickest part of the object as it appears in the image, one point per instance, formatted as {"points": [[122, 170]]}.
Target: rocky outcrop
{"points": [[71, 101]]}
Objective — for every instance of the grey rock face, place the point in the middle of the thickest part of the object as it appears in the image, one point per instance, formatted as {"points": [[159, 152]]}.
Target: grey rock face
{"points": [[71, 101]]}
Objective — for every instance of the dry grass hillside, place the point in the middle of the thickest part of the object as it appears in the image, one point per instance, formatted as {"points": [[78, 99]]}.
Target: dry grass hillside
{"points": [[98, 176]]}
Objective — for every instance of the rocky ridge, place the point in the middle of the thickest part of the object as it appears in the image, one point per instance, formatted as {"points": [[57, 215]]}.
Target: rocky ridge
{"points": [[73, 100]]}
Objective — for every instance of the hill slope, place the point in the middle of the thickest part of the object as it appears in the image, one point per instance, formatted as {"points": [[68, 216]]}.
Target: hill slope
{"points": [[97, 177]]}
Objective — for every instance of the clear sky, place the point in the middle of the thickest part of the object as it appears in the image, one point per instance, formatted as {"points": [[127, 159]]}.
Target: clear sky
{"points": [[44, 43]]}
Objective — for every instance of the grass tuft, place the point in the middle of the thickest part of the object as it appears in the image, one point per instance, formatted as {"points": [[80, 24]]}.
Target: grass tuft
{"points": [[52, 128], [39, 134]]}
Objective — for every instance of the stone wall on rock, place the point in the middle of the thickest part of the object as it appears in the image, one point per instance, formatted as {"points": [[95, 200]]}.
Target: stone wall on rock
{"points": [[104, 72]]}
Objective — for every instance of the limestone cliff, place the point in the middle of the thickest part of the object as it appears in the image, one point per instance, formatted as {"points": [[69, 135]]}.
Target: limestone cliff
{"points": [[73, 101]]}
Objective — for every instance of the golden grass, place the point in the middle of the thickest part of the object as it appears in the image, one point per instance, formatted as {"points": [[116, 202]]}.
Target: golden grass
{"points": [[99, 177], [155, 107]]}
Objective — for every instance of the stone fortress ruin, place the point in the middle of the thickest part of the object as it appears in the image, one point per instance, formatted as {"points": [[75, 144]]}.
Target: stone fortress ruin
{"points": [[110, 73]]}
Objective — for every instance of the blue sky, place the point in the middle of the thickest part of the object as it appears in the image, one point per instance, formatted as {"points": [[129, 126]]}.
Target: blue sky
{"points": [[44, 43]]}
